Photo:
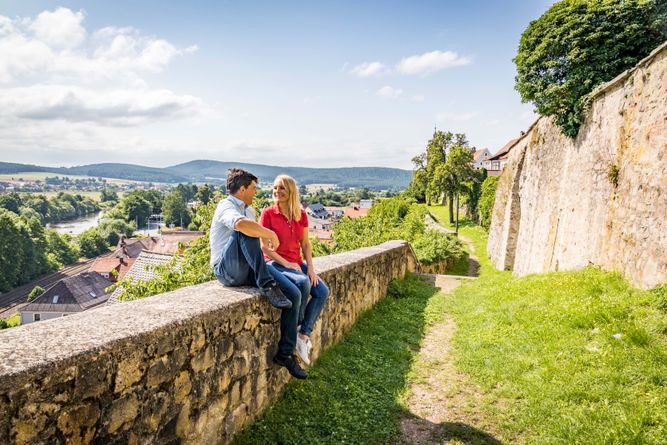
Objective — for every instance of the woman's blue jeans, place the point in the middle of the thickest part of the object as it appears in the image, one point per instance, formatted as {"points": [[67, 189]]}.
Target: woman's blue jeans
{"points": [[296, 286]]}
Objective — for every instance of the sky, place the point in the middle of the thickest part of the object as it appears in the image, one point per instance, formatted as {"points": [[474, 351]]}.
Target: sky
{"points": [[314, 84]]}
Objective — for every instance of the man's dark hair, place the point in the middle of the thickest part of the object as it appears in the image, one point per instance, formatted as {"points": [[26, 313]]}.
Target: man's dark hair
{"points": [[237, 178]]}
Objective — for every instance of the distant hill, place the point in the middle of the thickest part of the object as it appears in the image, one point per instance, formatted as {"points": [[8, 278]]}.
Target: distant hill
{"points": [[216, 172], [371, 177]]}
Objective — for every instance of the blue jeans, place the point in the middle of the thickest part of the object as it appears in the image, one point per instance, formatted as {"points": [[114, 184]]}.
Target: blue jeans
{"points": [[242, 263], [296, 286]]}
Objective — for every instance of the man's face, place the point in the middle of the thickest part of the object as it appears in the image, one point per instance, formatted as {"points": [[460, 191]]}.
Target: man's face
{"points": [[247, 194]]}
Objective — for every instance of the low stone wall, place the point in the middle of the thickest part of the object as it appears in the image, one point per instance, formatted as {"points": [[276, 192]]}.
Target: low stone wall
{"points": [[435, 268], [189, 366]]}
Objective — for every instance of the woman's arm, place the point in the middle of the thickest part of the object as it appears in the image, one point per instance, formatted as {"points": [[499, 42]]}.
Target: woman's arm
{"points": [[275, 256], [307, 250]]}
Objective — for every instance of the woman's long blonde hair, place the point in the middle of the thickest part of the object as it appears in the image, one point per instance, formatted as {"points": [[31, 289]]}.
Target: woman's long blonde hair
{"points": [[293, 200]]}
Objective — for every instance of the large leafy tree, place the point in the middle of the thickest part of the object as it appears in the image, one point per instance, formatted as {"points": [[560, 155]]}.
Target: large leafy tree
{"points": [[175, 210], [579, 44]]}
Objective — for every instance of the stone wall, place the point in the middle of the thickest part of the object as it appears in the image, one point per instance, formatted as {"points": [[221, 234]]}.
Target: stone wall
{"points": [[556, 207], [189, 366]]}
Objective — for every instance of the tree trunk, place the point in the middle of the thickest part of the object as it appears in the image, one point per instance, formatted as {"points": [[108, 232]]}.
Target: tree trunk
{"points": [[451, 208]]}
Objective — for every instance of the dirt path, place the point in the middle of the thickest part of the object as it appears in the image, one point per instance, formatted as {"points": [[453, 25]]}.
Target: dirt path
{"points": [[443, 403]]}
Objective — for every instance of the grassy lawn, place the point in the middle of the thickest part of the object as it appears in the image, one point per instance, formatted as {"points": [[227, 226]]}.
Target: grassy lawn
{"points": [[355, 391], [575, 357]]}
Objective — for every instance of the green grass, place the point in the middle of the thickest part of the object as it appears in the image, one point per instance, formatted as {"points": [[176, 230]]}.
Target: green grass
{"points": [[546, 347], [355, 390]]}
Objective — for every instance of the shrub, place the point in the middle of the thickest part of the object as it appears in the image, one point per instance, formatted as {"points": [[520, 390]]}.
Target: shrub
{"points": [[487, 200]]}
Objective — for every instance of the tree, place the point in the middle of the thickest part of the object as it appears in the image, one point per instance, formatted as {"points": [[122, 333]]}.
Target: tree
{"points": [[204, 194], [427, 163], [112, 229], [108, 195], [136, 208], [11, 202], [450, 178], [11, 250], [92, 243], [579, 44], [35, 292], [175, 210], [61, 248]]}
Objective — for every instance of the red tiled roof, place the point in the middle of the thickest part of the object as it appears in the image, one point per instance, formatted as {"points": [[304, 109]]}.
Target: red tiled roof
{"points": [[506, 149], [355, 213]]}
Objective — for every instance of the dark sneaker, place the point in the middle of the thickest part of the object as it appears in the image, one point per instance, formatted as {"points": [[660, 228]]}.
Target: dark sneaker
{"points": [[275, 296], [291, 364]]}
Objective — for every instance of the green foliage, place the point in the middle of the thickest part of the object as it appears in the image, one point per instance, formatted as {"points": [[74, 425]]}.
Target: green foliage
{"points": [[92, 243], [579, 44], [61, 248], [204, 194], [474, 194], [612, 174], [396, 218], [112, 229], [319, 248], [175, 210], [487, 200], [3, 324], [108, 195], [35, 292], [136, 208], [433, 246]]}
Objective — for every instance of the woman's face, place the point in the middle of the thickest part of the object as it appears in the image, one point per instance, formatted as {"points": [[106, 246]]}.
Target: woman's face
{"points": [[279, 192]]}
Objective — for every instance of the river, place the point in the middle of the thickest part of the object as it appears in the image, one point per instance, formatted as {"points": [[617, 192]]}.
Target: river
{"points": [[76, 226]]}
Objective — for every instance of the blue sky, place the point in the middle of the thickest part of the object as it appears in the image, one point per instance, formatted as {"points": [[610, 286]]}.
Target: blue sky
{"points": [[284, 83]]}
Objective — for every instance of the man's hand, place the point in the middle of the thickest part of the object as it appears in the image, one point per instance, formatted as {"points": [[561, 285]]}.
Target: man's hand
{"points": [[272, 241]]}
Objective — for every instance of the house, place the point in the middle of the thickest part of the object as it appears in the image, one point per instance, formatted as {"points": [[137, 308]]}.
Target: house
{"points": [[317, 210], [365, 203], [480, 156], [168, 242], [335, 213], [321, 234], [68, 296], [106, 266], [355, 212], [494, 165], [143, 269]]}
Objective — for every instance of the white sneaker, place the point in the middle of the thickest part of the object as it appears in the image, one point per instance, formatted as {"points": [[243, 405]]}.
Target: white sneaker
{"points": [[303, 349]]}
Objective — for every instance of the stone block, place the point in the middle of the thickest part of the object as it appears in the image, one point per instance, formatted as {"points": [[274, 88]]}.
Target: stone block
{"points": [[123, 411]]}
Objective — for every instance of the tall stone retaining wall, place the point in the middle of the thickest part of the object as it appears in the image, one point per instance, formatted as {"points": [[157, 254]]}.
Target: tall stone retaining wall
{"points": [[189, 366], [557, 207]]}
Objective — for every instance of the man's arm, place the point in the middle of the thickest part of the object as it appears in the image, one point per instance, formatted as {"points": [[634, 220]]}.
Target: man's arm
{"points": [[253, 229]]}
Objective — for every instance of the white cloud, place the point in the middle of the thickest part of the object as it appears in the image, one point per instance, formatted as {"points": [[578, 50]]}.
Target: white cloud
{"points": [[60, 28], [368, 69], [428, 63], [53, 70], [387, 91], [418, 98], [111, 108], [455, 117]]}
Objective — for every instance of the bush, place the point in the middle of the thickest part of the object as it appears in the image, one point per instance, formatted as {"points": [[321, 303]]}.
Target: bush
{"points": [[433, 246], [579, 44], [487, 200], [35, 292]]}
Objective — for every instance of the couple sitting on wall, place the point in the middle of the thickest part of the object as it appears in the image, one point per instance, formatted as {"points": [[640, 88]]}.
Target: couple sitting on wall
{"points": [[268, 255]]}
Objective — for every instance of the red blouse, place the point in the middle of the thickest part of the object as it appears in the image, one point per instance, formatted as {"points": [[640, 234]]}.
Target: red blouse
{"points": [[289, 233]]}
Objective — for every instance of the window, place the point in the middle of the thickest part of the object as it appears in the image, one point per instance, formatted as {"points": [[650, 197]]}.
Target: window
{"points": [[92, 294], [36, 317], [55, 299]]}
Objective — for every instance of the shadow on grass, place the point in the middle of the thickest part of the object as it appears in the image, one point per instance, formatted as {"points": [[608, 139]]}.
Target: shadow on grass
{"points": [[418, 431], [354, 390]]}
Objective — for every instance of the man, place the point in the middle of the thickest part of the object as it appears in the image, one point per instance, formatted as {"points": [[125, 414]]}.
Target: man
{"points": [[237, 259]]}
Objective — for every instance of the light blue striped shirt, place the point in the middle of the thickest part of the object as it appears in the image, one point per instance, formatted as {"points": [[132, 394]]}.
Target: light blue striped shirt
{"points": [[228, 212]]}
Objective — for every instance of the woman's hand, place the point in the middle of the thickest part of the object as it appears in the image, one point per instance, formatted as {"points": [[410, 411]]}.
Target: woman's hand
{"points": [[314, 279], [293, 266]]}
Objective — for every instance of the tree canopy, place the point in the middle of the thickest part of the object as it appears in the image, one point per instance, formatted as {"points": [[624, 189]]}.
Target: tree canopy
{"points": [[579, 44]]}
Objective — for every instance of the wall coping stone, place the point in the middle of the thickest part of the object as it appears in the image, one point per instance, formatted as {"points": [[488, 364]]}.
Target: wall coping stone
{"points": [[36, 346]]}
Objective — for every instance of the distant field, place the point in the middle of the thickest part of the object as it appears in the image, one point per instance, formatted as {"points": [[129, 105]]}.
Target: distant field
{"points": [[93, 195], [315, 187], [41, 176]]}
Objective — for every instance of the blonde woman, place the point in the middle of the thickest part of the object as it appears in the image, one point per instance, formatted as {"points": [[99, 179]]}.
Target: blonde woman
{"points": [[296, 277]]}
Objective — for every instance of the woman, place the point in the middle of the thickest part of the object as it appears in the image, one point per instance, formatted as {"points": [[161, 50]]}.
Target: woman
{"points": [[296, 278]]}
